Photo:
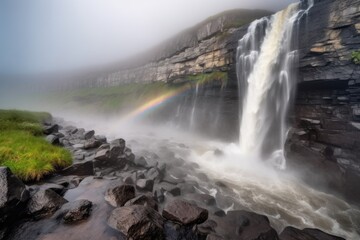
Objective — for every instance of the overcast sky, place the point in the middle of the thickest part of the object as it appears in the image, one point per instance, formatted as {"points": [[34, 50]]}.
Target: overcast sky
{"points": [[51, 35]]}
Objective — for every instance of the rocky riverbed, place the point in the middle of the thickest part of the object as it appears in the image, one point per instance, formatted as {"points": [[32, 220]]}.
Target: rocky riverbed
{"points": [[111, 193]]}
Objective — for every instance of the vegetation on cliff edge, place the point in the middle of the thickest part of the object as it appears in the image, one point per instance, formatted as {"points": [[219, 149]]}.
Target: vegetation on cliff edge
{"points": [[23, 148]]}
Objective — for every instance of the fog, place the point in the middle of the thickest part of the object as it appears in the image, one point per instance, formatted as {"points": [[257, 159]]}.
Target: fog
{"points": [[40, 36]]}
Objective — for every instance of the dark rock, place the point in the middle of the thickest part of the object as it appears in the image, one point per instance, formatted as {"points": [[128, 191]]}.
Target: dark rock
{"points": [[51, 129], [159, 195], [104, 146], [89, 134], [44, 203], [144, 200], [131, 178], [214, 237], [153, 174], [118, 195], [137, 222], [140, 162], [119, 142], [100, 138], [59, 189], [91, 144], [74, 211], [103, 154], [291, 233], [53, 139], [115, 150], [184, 212], [13, 195], [145, 184], [175, 231], [245, 225], [167, 187], [79, 169]]}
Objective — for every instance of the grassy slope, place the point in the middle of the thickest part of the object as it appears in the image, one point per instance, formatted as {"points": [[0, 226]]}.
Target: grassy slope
{"points": [[23, 148]]}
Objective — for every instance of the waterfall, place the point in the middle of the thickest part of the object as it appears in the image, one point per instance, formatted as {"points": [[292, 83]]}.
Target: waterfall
{"points": [[266, 61]]}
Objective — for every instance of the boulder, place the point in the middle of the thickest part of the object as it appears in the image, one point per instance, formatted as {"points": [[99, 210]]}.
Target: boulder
{"points": [[44, 203], [51, 129], [91, 144], [153, 174], [204, 199], [213, 236], [103, 154], [79, 169], [140, 162], [72, 212], [144, 200], [89, 134], [115, 150], [137, 222], [167, 187], [13, 194], [244, 225], [291, 233], [59, 189], [118, 195], [184, 212], [53, 139], [119, 142], [145, 184]]}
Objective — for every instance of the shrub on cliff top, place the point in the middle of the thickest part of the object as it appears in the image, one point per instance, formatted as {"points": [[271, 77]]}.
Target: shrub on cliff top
{"points": [[23, 148]]}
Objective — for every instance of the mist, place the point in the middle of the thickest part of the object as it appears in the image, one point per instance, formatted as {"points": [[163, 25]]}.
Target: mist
{"points": [[42, 36]]}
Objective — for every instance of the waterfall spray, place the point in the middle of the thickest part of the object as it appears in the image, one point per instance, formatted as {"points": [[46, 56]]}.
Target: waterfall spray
{"points": [[266, 60]]}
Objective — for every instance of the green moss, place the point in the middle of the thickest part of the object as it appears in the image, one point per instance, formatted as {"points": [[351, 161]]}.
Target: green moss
{"points": [[23, 148], [213, 76], [355, 57]]}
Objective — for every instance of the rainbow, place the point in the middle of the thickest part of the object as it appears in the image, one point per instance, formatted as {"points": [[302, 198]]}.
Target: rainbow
{"points": [[156, 102]]}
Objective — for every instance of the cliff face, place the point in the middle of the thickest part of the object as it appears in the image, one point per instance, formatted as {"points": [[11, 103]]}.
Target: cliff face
{"points": [[327, 111], [209, 46]]}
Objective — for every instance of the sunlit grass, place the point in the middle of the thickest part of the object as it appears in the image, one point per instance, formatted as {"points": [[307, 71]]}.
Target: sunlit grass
{"points": [[23, 148]]}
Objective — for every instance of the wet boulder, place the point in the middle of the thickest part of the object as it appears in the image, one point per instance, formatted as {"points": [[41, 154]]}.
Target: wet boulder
{"points": [[118, 194], [144, 200], [89, 134], [79, 169], [72, 212], [245, 225], [44, 203], [53, 139], [137, 222], [203, 199], [51, 129], [102, 155], [91, 144], [184, 212], [145, 184], [119, 142], [291, 233], [13, 194], [170, 188]]}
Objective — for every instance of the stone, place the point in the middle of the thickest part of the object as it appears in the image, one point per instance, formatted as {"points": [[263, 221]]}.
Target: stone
{"points": [[144, 200], [184, 212], [167, 187], [119, 194], [214, 237], [76, 211], [153, 174], [91, 144], [244, 225], [53, 139], [140, 162], [44, 203], [59, 189], [119, 142], [78, 146], [51, 129], [13, 195], [115, 150], [103, 154], [291, 233], [79, 169], [145, 184], [137, 222], [89, 134]]}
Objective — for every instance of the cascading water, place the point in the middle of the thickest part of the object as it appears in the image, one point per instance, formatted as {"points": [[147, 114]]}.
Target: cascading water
{"points": [[266, 61]]}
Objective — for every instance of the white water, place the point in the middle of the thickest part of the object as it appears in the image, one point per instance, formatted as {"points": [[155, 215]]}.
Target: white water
{"points": [[265, 67]]}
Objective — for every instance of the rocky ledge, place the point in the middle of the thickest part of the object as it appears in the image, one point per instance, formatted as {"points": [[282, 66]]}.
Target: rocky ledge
{"points": [[109, 193]]}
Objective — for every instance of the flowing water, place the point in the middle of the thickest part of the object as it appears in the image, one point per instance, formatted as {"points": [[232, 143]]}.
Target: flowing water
{"points": [[266, 61]]}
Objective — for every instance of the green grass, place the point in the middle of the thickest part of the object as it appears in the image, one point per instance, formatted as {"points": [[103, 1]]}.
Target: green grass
{"points": [[23, 148], [213, 76], [355, 57]]}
